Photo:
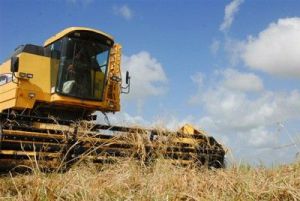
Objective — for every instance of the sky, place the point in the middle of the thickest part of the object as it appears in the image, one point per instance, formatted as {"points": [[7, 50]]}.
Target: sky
{"points": [[229, 67]]}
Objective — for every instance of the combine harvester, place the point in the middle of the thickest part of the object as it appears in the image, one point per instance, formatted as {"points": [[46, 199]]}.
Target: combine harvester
{"points": [[48, 95]]}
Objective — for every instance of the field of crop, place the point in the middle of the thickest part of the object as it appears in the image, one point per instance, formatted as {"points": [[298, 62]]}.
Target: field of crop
{"points": [[130, 180]]}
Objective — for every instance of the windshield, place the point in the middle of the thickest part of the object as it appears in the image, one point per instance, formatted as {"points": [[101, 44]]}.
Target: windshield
{"points": [[82, 69]]}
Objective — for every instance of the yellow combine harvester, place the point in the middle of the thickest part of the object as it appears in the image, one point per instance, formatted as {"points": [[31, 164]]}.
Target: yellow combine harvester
{"points": [[48, 95]]}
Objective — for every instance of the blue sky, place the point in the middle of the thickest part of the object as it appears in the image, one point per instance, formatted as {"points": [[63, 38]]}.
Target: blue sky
{"points": [[229, 67]]}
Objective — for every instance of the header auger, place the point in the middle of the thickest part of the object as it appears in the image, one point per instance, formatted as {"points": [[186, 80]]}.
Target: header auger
{"points": [[48, 95]]}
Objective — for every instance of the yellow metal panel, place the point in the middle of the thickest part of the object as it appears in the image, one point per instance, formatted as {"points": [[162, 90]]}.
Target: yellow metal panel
{"points": [[53, 127], [8, 96], [69, 101], [39, 66], [23, 99], [14, 95], [38, 86], [190, 141], [113, 88], [7, 104], [7, 87], [72, 29], [189, 129], [7, 91], [31, 134]]}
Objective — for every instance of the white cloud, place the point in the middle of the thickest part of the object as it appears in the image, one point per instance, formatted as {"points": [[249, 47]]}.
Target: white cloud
{"points": [[260, 137], [230, 10], [171, 122], [214, 47], [198, 78], [234, 49], [147, 76], [123, 119], [229, 80], [163, 121], [242, 81], [237, 112], [276, 49], [123, 11]]}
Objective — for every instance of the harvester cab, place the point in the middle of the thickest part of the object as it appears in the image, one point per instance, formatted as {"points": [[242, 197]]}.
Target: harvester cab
{"points": [[75, 73], [47, 92]]}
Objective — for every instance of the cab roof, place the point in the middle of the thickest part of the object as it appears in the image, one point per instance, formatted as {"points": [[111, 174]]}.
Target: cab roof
{"points": [[73, 29]]}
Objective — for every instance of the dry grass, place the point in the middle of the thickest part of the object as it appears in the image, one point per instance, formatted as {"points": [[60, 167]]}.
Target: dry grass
{"points": [[129, 180]]}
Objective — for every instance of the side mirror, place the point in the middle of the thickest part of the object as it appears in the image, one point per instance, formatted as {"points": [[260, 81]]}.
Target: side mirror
{"points": [[14, 66], [126, 89], [127, 77]]}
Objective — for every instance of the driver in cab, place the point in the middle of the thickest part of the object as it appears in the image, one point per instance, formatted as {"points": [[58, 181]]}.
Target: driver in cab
{"points": [[78, 75]]}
